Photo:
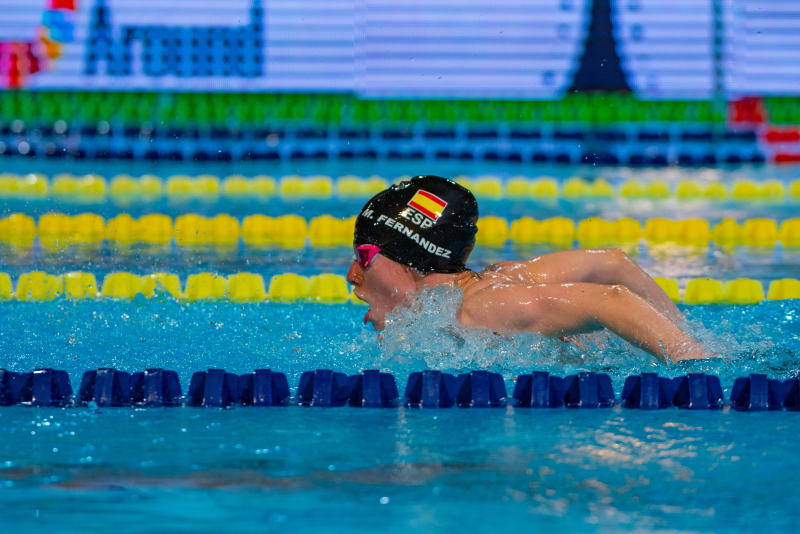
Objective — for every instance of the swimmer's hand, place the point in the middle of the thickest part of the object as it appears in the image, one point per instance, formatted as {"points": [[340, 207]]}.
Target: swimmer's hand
{"points": [[558, 310]]}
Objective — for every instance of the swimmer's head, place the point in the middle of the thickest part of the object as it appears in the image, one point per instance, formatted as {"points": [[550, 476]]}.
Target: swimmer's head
{"points": [[427, 223], [408, 232]]}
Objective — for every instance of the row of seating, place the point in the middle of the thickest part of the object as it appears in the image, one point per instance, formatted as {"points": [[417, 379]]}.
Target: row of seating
{"points": [[291, 231], [324, 388], [146, 187], [327, 288]]}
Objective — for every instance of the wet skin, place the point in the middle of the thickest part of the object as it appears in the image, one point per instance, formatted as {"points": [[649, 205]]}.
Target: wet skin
{"points": [[558, 294]]}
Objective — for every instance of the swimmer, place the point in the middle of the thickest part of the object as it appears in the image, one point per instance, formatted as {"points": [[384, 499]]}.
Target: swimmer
{"points": [[420, 233]]}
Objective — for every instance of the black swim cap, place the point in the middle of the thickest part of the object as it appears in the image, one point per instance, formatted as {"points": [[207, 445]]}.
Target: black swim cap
{"points": [[428, 223]]}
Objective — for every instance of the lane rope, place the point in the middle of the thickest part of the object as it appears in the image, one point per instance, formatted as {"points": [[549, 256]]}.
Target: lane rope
{"points": [[38, 286], [148, 188], [56, 230]]}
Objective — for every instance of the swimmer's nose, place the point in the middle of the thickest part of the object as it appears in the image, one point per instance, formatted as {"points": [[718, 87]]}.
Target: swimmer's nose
{"points": [[354, 276]]}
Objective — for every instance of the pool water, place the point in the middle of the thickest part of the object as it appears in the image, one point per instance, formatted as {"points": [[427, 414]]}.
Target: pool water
{"points": [[294, 469]]}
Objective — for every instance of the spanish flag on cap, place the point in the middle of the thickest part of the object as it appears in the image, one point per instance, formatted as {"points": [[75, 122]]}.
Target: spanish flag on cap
{"points": [[428, 204]]}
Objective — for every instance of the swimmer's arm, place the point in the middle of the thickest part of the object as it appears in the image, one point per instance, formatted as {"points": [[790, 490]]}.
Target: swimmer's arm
{"points": [[557, 310], [600, 266]]}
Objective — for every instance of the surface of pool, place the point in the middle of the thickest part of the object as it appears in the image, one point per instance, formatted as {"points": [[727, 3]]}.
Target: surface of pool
{"points": [[295, 469]]}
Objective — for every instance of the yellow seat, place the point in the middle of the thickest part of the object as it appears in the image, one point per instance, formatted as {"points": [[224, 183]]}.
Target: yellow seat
{"points": [[743, 291], [704, 291], [246, 287], [492, 231], [161, 282], [5, 286], [288, 287], [669, 286], [39, 286], [790, 233], [786, 288], [328, 288], [727, 232], [121, 286], [205, 286], [760, 232], [78, 285]]}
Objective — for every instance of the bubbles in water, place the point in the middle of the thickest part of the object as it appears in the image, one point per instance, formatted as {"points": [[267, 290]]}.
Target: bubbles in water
{"points": [[427, 335]]}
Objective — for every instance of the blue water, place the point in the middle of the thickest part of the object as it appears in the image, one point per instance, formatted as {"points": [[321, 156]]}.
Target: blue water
{"points": [[350, 470], [294, 469]]}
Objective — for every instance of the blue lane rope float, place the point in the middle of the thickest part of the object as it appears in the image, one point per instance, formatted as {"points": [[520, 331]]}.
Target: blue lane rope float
{"points": [[107, 387]]}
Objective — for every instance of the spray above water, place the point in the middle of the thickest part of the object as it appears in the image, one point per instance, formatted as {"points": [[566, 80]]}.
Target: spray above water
{"points": [[428, 335]]}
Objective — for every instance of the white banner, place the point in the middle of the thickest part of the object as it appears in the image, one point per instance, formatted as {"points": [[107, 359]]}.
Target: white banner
{"points": [[395, 48]]}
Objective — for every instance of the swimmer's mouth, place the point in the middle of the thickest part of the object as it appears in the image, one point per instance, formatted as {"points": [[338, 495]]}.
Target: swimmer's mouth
{"points": [[366, 315]]}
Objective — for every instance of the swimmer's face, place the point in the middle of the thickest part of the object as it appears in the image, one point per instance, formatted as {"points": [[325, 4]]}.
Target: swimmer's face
{"points": [[383, 285]]}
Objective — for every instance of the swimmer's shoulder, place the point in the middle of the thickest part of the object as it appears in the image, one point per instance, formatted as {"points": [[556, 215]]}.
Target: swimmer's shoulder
{"points": [[504, 273], [509, 271]]}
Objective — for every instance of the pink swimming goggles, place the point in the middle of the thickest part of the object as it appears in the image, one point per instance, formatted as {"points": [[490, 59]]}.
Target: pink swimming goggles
{"points": [[365, 254]]}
